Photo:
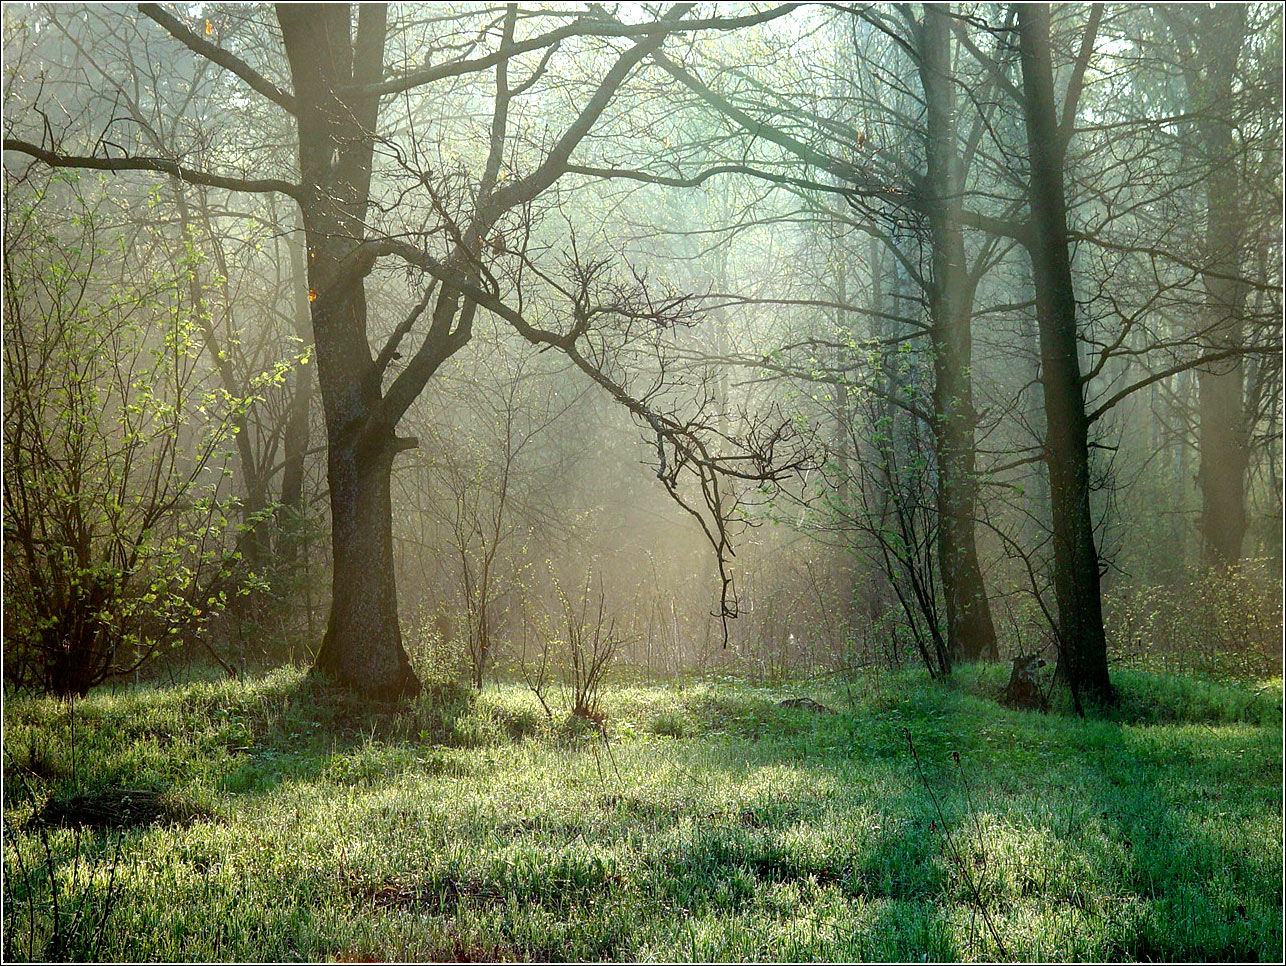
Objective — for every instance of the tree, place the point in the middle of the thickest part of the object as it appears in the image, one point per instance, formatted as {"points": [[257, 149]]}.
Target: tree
{"points": [[232, 254], [1217, 36], [951, 310], [338, 75], [1083, 645], [879, 190], [494, 488]]}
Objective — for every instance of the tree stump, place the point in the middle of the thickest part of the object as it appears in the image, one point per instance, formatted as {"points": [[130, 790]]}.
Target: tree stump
{"points": [[1023, 692]]}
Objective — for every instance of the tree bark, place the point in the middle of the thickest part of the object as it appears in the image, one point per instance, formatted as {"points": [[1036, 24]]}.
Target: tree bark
{"points": [[1083, 645], [971, 635], [363, 643]]}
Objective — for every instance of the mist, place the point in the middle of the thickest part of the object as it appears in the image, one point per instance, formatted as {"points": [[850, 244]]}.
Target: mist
{"points": [[551, 351]]}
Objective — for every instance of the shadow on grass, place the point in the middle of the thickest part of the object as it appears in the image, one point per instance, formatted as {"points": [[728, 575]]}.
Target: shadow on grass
{"points": [[887, 888], [1200, 897], [240, 738], [305, 734], [891, 875], [1187, 881]]}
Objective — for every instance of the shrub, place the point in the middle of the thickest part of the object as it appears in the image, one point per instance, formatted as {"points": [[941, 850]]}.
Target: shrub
{"points": [[668, 724], [1221, 621], [115, 535]]}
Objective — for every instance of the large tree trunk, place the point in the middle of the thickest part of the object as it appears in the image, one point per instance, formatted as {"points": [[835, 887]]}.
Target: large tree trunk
{"points": [[1223, 437], [362, 648], [970, 632], [1083, 646], [1224, 444], [363, 643]]}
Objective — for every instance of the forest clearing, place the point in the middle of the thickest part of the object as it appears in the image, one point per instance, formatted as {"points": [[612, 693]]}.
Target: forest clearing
{"points": [[643, 481], [703, 822]]}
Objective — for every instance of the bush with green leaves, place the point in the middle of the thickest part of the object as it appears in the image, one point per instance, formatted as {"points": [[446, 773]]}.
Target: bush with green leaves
{"points": [[117, 540], [1220, 621]]}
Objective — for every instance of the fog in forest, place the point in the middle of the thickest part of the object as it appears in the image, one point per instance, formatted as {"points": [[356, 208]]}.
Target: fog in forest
{"points": [[768, 339], [642, 481]]}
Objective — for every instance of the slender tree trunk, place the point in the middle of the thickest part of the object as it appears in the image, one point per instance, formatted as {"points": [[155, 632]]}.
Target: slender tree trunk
{"points": [[1223, 436], [970, 632], [1083, 646], [294, 441], [254, 547], [845, 573], [721, 344]]}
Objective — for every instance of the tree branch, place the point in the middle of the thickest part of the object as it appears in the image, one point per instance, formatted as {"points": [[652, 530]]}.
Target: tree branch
{"points": [[856, 182], [1074, 235], [555, 163], [161, 165], [389, 352], [1175, 370], [696, 180], [1077, 82], [579, 28], [216, 54]]}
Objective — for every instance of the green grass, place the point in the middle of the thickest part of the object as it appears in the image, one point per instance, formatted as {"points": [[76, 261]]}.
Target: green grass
{"points": [[707, 824]]}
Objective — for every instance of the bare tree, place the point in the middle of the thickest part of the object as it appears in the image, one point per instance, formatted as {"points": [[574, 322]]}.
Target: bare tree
{"points": [[1083, 645], [339, 79]]}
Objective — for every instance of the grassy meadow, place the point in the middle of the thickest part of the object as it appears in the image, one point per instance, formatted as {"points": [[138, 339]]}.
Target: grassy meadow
{"points": [[274, 819]]}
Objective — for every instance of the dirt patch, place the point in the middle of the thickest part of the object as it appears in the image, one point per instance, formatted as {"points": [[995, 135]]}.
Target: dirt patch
{"points": [[560, 887], [774, 869], [436, 898], [121, 808]]}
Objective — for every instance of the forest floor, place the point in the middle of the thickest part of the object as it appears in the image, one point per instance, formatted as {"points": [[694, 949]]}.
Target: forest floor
{"points": [[273, 819]]}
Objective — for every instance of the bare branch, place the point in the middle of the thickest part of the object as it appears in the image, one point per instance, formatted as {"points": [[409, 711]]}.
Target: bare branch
{"points": [[224, 58], [161, 165], [1175, 370], [578, 28], [1077, 82]]}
